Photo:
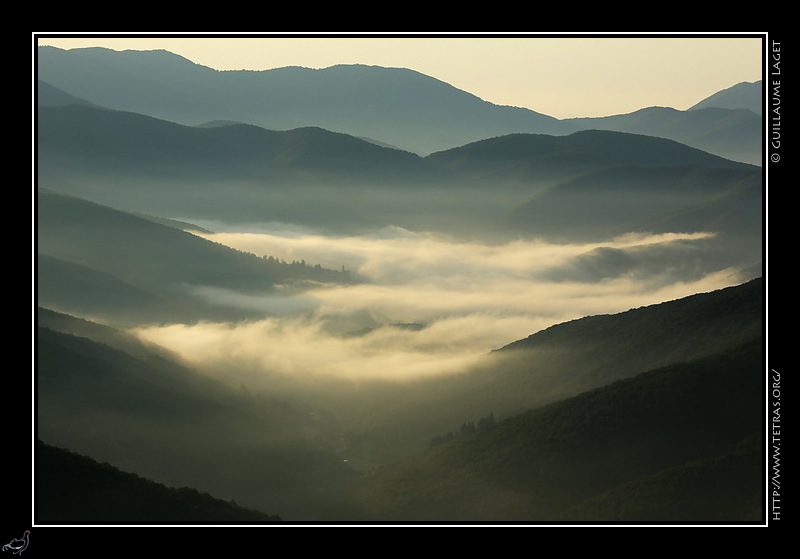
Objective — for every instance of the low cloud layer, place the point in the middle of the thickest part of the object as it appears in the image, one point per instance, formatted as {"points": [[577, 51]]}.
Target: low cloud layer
{"points": [[464, 298]]}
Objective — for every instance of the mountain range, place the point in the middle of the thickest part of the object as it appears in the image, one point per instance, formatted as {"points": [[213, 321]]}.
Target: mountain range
{"points": [[494, 189], [396, 106], [588, 185], [649, 414]]}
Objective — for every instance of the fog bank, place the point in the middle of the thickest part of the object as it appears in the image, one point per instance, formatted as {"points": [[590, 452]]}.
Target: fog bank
{"points": [[463, 299]]}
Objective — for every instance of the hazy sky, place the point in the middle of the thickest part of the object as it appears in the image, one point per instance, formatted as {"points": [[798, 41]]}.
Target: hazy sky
{"points": [[563, 77]]}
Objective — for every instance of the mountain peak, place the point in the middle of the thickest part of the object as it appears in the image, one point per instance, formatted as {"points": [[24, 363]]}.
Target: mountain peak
{"points": [[743, 95]]}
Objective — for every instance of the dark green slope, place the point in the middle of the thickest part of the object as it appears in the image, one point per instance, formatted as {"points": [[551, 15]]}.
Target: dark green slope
{"points": [[95, 140], [724, 488], [49, 96], [76, 374], [588, 149], [128, 352], [729, 315], [137, 409], [678, 198], [151, 257], [76, 289], [532, 158], [538, 465], [593, 351], [74, 489], [558, 362]]}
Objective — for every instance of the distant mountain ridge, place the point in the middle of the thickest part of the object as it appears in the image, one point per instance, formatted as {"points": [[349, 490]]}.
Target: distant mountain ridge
{"points": [[151, 145], [541, 157], [346, 98], [117, 157], [399, 107], [744, 95], [733, 133]]}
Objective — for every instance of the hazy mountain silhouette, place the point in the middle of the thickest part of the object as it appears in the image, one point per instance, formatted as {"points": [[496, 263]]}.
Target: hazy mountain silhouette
{"points": [[611, 201], [132, 142], [396, 106], [744, 95], [600, 184], [311, 176], [388, 104], [49, 96], [735, 134], [234, 173], [540, 159], [105, 262], [81, 290]]}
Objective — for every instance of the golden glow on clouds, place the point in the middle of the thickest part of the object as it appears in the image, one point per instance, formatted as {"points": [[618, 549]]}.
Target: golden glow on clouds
{"points": [[470, 297]]}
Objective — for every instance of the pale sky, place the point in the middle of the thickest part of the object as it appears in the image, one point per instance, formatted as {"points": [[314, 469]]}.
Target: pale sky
{"points": [[563, 77]]}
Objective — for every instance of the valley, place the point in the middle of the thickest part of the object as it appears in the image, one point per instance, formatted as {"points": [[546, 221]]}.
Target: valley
{"points": [[316, 304]]}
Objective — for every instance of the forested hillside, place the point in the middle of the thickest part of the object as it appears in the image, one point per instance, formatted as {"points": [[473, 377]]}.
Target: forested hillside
{"points": [[602, 455]]}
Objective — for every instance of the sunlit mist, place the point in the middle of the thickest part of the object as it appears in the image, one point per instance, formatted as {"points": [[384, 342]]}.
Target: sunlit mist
{"points": [[424, 305]]}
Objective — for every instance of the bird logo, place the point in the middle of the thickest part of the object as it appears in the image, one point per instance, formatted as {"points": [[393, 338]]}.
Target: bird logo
{"points": [[17, 546]]}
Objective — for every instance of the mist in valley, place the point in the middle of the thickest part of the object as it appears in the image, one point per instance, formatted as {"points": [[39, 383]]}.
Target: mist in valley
{"points": [[425, 304], [368, 371], [301, 391], [326, 329]]}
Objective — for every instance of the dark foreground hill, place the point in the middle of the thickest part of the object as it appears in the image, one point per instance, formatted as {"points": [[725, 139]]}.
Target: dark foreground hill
{"points": [[676, 444], [74, 489], [103, 394]]}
